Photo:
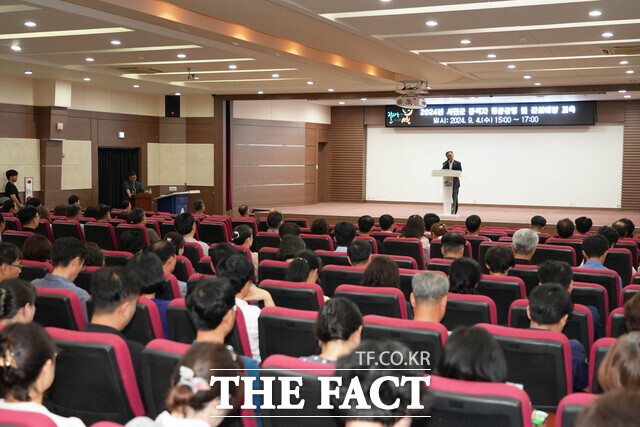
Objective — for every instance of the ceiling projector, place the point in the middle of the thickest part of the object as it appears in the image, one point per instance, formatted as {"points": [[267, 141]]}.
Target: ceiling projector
{"points": [[411, 102]]}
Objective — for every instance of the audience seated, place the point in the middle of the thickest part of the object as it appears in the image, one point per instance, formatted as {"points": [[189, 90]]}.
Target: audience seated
{"points": [[595, 249], [166, 251], [17, 301], [138, 217], [60, 210], [44, 212], [632, 313], [289, 228], [192, 401], [185, 224], [115, 292], [90, 212], [549, 308], [177, 240], [74, 213], [565, 228], [538, 223], [29, 218], [383, 272], [365, 225], [3, 225], [625, 228], [610, 234], [387, 223], [618, 408], [472, 224], [464, 275], [525, 242], [499, 260], [126, 207], [243, 236], [239, 270], [289, 246], [472, 354], [453, 245], [27, 370], [305, 267], [429, 296], [37, 248], [103, 213], [34, 201], [439, 229], [620, 368], [583, 225], [243, 210], [10, 207], [429, 220], [10, 257], [319, 226], [130, 241], [274, 221], [73, 200], [345, 233], [95, 256], [338, 329], [68, 256], [359, 253], [148, 267], [414, 228], [199, 207]]}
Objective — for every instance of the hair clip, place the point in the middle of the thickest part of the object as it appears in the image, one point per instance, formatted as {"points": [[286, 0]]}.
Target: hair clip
{"points": [[235, 235], [8, 360], [233, 352], [303, 259], [188, 378]]}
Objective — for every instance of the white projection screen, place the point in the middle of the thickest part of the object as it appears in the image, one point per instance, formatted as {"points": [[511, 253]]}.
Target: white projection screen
{"points": [[551, 166]]}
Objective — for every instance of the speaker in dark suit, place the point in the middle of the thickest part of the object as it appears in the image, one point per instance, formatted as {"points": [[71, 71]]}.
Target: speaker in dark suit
{"points": [[455, 165]]}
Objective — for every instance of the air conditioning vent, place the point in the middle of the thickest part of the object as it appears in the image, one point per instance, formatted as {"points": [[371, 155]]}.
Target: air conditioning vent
{"points": [[137, 70], [620, 50]]}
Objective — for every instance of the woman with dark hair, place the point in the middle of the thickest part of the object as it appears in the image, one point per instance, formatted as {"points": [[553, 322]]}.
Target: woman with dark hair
{"points": [[27, 370], [289, 245], [305, 267], [191, 400], [37, 248], [95, 255], [243, 236], [620, 368], [338, 329], [414, 228], [473, 354], [177, 240], [464, 275], [10, 257], [383, 272], [499, 260], [319, 226], [44, 212], [17, 301]]}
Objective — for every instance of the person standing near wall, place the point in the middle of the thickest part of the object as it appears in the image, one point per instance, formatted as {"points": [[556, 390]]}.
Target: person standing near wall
{"points": [[10, 189], [455, 165]]}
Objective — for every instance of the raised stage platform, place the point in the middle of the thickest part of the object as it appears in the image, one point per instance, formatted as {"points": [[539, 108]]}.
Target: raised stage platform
{"points": [[508, 216]]}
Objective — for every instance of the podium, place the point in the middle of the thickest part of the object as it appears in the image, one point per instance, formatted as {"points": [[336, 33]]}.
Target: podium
{"points": [[175, 202], [141, 200], [447, 189]]}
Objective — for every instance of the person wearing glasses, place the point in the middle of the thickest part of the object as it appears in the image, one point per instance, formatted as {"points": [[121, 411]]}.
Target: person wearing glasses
{"points": [[10, 257], [27, 370]]}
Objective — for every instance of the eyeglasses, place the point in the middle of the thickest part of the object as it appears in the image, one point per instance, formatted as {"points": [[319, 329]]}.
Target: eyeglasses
{"points": [[18, 266]]}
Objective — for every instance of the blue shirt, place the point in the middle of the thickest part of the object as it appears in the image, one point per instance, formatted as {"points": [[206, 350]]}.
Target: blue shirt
{"points": [[58, 282], [162, 305], [579, 367], [597, 265]]}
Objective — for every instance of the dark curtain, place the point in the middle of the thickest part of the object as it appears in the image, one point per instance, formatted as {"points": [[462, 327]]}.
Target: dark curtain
{"points": [[113, 166]]}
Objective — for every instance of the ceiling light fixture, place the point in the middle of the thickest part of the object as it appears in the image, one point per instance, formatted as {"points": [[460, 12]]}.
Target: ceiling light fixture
{"points": [[341, 103], [537, 84], [465, 41], [630, 71], [16, 48], [627, 96], [30, 24], [607, 34], [136, 86], [622, 91], [511, 66], [527, 76], [491, 55], [260, 92], [595, 13], [431, 23], [331, 89], [181, 55], [89, 59], [275, 75], [177, 94], [28, 72], [233, 67], [116, 42], [310, 83], [363, 99], [87, 79], [623, 62]]}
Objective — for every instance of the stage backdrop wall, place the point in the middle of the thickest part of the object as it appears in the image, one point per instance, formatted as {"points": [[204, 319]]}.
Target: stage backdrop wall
{"points": [[554, 166]]}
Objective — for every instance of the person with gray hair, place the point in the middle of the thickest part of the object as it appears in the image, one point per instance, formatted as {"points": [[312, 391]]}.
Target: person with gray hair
{"points": [[525, 242], [429, 296]]}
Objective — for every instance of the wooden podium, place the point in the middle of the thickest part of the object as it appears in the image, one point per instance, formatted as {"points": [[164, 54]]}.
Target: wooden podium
{"points": [[141, 200]]}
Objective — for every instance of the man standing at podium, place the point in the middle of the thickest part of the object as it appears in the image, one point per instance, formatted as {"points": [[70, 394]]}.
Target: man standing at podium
{"points": [[131, 186], [456, 166]]}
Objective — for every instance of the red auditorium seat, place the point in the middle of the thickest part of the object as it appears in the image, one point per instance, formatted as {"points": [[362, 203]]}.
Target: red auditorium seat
{"points": [[503, 290], [570, 406], [287, 331], [383, 301], [32, 270], [598, 352], [60, 308], [297, 295], [101, 233], [10, 418], [468, 310]]}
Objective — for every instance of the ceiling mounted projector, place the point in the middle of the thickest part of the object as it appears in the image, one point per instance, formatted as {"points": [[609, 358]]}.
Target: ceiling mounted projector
{"points": [[411, 102]]}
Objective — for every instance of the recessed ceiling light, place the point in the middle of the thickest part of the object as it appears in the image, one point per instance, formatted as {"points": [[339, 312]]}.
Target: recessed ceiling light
{"points": [[177, 94], [623, 62], [385, 1], [627, 96], [136, 86], [341, 102], [30, 24], [89, 59], [233, 67], [331, 89], [465, 41], [595, 13], [87, 79], [511, 66], [260, 92], [491, 55], [630, 71], [537, 84], [527, 76], [116, 42], [275, 75], [607, 34], [363, 99], [622, 91], [16, 48], [181, 55], [309, 82], [431, 23], [28, 72]]}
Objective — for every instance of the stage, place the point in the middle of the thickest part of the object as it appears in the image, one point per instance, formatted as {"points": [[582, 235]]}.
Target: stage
{"points": [[508, 216]]}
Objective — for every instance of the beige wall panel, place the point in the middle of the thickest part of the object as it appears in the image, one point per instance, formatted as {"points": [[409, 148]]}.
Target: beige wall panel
{"points": [[153, 174], [76, 152], [112, 101], [22, 155], [196, 106], [268, 175], [16, 90], [268, 155], [76, 165], [283, 135], [172, 154], [269, 195], [153, 154], [287, 110], [200, 154], [199, 175]]}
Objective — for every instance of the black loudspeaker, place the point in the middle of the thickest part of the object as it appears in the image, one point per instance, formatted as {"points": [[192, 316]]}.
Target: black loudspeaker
{"points": [[172, 106]]}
